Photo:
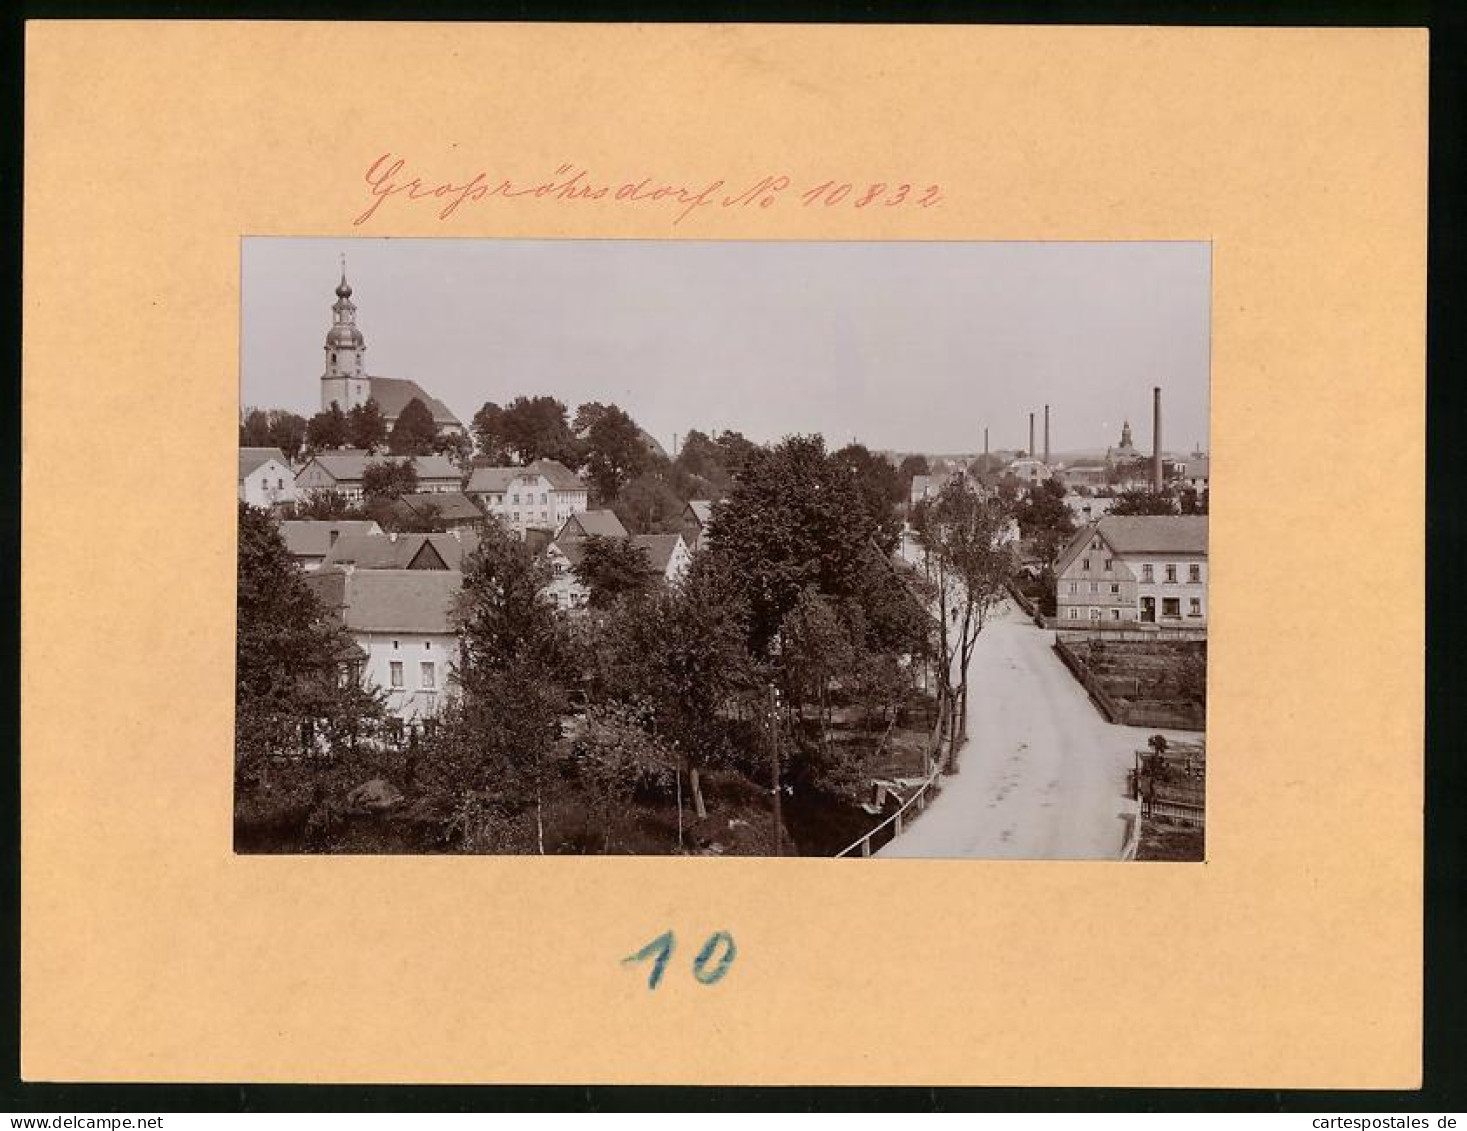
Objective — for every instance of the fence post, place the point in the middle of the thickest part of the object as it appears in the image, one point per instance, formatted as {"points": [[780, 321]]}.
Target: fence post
{"points": [[866, 847]]}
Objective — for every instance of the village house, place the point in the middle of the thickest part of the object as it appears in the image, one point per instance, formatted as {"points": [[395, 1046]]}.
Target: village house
{"points": [[540, 496], [1028, 471], [342, 471], [1088, 508], [697, 514], [1193, 472], [401, 620], [1135, 570], [587, 524], [444, 510], [1084, 474], [402, 551], [265, 478], [308, 541], [668, 557]]}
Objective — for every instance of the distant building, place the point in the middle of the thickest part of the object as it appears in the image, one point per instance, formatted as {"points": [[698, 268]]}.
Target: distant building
{"points": [[402, 551], [668, 557], [697, 514], [1193, 472], [346, 382], [1137, 569], [587, 524], [342, 471], [402, 623], [540, 496], [1028, 471], [308, 541], [923, 487], [445, 510], [1088, 508], [265, 478], [1084, 475]]}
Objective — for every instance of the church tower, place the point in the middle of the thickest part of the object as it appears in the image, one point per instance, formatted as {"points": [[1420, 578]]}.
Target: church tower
{"points": [[345, 380]]}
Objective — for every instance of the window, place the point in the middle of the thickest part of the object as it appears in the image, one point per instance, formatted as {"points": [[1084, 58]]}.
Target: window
{"points": [[544, 498], [280, 484], [1115, 587], [1110, 564], [396, 667], [1074, 613], [1095, 587], [1095, 614], [1085, 564], [394, 729], [1147, 573], [1115, 614], [516, 499], [429, 677], [1171, 575], [1095, 545], [1074, 587], [1194, 608], [394, 645], [1171, 606], [1194, 573]]}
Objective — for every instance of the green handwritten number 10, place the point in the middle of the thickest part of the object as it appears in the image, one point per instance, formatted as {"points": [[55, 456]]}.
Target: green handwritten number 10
{"points": [[704, 968]]}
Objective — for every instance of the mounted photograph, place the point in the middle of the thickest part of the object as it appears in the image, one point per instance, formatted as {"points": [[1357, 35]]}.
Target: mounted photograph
{"points": [[723, 548]]}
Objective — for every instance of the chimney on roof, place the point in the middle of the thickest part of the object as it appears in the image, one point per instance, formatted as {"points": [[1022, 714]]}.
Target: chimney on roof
{"points": [[1046, 435], [1156, 438], [1030, 453]]}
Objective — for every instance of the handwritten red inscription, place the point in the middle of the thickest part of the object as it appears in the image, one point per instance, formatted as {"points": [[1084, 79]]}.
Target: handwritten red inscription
{"points": [[388, 178]]}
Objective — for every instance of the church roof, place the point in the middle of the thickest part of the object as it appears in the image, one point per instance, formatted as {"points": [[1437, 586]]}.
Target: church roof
{"points": [[392, 395]]}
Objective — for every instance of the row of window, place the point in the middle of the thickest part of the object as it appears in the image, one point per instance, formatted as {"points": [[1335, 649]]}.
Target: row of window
{"points": [[1170, 607], [1148, 571], [1095, 587], [427, 675]]}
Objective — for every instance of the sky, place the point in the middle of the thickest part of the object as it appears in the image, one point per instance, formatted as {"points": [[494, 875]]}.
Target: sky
{"points": [[901, 346]]}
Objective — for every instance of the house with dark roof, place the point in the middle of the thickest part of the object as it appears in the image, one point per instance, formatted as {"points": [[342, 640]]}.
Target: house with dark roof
{"points": [[341, 471], [402, 620], [308, 541], [439, 551], [585, 524], [265, 478], [539, 496], [1135, 571], [697, 514], [444, 510]]}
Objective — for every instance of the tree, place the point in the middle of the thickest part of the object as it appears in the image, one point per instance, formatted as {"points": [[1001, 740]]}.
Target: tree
{"points": [[273, 428], [911, 467], [327, 505], [616, 453], [389, 479], [490, 439], [497, 760], [586, 417], [650, 505], [1142, 500], [1045, 519], [456, 446], [328, 430], [794, 519], [880, 486], [288, 660], [614, 757], [612, 569], [1192, 501], [366, 426], [414, 431], [960, 532], [535, 428]]}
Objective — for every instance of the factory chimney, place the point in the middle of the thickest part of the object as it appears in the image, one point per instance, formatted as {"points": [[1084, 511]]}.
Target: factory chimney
{"points": [[1046, 435], [985, 444], [1156, 438], [1030, 452]]}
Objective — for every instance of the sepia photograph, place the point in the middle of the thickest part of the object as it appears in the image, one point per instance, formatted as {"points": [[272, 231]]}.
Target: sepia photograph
{"points": [[723, 548]]}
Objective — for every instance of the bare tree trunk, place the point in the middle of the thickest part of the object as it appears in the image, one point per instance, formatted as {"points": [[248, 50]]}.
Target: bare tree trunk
{"points": [[697, 787], [539, 821]]}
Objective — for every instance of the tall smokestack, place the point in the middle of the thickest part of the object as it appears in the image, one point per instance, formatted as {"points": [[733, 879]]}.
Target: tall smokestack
{"points": [[1156, 438], [1046, 435], [985, 440], [1030, 452]]}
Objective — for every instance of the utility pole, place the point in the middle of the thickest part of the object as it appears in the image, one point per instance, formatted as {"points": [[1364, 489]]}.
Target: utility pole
{"points": [[774, 767]]}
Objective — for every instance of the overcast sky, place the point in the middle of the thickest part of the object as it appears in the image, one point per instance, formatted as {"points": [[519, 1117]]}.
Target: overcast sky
{"points": [[904, 346]]}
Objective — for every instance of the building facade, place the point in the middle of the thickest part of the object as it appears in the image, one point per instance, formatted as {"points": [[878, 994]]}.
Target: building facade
{"points": [[1135, 570], [539, 496], [342, 472], [265, 478]]}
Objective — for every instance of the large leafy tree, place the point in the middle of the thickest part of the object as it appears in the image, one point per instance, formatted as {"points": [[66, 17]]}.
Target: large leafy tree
{"points": [[273, 428], [366, 426], [328, 430], [289, 659], [414, 431], [1045, 519], [536, 428], [794, 519], [495, 756], [651, 504], [389, 479], [616, 452], [491, 441], [880, 487], [612, 569]]}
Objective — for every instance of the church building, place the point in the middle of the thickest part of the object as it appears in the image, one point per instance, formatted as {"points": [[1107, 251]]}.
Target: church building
{"points": [[347, 382]]}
